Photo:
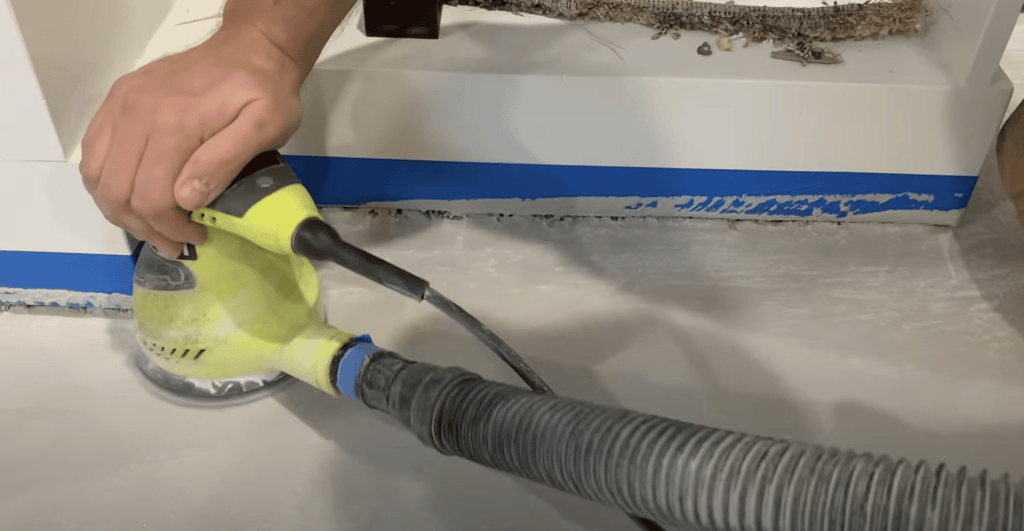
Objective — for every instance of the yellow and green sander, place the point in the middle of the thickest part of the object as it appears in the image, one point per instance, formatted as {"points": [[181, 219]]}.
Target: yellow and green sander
{"points": [[235, 317]]}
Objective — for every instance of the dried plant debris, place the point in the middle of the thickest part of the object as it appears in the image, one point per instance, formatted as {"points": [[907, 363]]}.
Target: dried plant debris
{"points": [[804, 53], [853, 21]]}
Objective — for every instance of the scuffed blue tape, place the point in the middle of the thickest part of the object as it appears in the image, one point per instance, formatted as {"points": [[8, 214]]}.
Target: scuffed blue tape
{"points": [[51, 304], [94, 273], [345, 181], [351, 361], [838, 207]]}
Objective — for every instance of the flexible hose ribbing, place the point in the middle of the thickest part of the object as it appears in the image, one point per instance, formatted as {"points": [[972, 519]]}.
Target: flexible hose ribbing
{"points": [[684, 474], [681, 474]]}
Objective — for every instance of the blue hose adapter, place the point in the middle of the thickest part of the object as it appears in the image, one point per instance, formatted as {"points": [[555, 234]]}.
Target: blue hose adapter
{"points": [[352, 360]]}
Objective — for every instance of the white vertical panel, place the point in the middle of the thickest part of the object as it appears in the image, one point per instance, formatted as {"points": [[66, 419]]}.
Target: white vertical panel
{"points": [[26, 128]]}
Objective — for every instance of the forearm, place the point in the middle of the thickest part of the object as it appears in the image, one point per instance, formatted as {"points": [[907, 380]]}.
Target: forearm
{"points": [[299, 28]]}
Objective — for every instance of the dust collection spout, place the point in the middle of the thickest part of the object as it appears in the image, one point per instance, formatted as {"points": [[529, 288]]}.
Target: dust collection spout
{"points": [[235, 317]]}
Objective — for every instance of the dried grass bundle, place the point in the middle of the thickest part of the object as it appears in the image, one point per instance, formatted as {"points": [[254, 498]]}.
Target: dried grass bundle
{"points": [[873, 18]]}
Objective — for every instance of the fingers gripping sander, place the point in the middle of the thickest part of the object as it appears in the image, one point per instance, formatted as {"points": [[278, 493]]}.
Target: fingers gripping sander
{"points": [[236, 314]]}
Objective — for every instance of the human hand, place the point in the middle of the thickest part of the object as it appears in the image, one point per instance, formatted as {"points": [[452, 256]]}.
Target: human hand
{"points": [[171, 135]]}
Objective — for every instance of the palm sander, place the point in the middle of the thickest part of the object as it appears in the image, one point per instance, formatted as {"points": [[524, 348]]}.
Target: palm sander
{"points": [[241, 312]]}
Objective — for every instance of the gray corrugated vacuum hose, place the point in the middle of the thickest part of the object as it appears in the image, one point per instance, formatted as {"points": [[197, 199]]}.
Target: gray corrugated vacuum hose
{"points": [[678, 474]]}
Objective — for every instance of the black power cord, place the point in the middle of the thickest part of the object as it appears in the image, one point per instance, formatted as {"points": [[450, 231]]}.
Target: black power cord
{"points": [[316, 240]]}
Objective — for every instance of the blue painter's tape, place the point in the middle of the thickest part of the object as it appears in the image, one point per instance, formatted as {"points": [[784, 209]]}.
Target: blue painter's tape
{"points": [[351, 362], [95, 273], [343, 181]]}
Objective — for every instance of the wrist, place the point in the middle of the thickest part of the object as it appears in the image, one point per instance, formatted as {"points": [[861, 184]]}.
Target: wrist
{"points": [[258, 52], [298, 29]]}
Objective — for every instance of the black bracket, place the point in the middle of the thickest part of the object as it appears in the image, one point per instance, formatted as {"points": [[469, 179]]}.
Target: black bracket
{"points": [[402, 19]]}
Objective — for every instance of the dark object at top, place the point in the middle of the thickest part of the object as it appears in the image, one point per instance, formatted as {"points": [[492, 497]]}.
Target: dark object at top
{"points": [[402, 19]]}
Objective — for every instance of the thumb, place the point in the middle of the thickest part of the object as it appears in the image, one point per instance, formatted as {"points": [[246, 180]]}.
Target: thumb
{"points": [[219, 160]]}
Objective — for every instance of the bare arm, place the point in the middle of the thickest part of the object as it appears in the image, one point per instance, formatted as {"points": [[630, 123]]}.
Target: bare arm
{"points": [[171, 135], [299, 28]]}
